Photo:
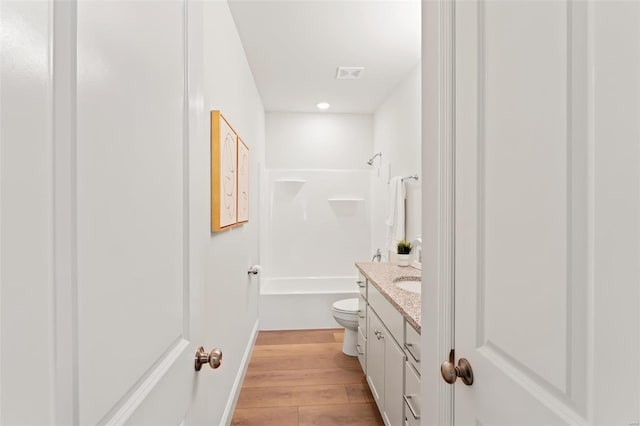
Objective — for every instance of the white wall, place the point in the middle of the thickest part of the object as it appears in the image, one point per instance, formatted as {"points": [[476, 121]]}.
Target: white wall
{"points": [[231, 295], [397, 134], [307, 231], [318, 141]]}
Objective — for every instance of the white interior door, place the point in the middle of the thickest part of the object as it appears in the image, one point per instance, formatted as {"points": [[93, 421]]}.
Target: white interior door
{"points": [[101, 298], [547, 211], [136, 299]]}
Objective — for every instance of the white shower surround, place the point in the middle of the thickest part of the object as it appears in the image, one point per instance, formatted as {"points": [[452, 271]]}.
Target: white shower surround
{"points": [[316, 224]]}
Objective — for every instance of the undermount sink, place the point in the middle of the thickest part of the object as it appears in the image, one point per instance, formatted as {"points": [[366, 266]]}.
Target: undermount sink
{"points": [[411, 284]]}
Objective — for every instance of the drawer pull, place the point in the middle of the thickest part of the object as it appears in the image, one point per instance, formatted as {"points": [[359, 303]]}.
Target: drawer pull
{"points": [[408, 347], [360, 284], [363, 316], [413, 412], [360, 352], [378, 334]]}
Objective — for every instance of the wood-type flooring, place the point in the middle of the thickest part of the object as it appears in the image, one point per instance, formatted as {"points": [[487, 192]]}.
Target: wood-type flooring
{"points": [[302, 378]]}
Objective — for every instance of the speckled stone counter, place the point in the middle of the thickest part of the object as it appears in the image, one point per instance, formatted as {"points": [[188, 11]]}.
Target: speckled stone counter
{"points": [[381, 275]]}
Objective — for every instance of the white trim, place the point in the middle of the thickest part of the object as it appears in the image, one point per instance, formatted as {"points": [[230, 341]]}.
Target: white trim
{"points": [[438, 205], [1, 282], [591, 206], [446, 238], [64, 221], [186, 184], [227, 416]]}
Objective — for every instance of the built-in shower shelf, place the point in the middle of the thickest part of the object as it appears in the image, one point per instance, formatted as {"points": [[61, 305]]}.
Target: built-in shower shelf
{"points": [[345, 200], [299, 181]]}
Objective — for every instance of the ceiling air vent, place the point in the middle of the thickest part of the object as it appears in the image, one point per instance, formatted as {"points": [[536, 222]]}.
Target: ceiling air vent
{"points": [[349, 73]]}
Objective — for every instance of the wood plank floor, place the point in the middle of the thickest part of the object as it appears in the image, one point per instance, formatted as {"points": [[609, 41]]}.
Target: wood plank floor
{"points": [[302, 378]]}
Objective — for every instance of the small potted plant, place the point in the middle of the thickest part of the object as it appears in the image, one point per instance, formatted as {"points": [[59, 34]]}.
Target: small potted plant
{"points": [[404, 249]]}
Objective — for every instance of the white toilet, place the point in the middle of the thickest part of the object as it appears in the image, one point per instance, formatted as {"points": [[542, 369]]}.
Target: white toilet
{"points": [[345, 312]]}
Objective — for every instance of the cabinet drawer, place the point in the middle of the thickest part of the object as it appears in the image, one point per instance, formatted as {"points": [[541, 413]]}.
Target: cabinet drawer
{"points": [[362, 314], [409, 420], [362, 285], [412, 346], [361, 348], [411, 394], [392, 319]]}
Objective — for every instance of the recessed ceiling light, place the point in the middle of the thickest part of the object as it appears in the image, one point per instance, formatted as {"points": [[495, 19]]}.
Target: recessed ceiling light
{"points": [[323, 105]]}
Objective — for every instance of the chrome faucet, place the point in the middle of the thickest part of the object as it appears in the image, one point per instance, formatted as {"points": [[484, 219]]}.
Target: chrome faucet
{"points": [[377, 256]]}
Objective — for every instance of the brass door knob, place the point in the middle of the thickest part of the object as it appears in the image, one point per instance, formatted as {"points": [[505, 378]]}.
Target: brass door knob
{"points": [[450, 372], [213, 358]]}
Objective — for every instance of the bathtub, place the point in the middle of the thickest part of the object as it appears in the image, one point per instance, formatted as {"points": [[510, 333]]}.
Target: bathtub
{"points": [[302, 302]]}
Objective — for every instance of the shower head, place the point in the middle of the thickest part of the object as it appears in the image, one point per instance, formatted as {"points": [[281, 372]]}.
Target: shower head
{"points": [[370, 162]]}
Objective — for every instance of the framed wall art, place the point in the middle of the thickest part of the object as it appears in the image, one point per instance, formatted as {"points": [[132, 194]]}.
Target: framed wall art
{"points": [[243, 182], [224, 163]]}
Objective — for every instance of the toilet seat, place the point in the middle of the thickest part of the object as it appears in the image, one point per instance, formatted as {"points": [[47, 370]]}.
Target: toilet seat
{"points": [[347, 306]]}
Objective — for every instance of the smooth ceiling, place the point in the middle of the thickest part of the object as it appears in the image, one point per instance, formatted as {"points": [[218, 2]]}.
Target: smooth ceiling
{"points": [[294, 48]]}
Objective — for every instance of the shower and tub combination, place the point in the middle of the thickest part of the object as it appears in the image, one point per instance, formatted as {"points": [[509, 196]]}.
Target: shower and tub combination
{"points": [[315, 225], [289, 303]]}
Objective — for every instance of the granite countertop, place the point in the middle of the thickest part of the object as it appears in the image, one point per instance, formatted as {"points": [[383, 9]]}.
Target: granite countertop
{"points": [[381, 275]]}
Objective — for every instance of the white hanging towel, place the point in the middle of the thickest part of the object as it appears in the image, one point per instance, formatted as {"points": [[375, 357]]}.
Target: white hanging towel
{"points": [[395, 219]]}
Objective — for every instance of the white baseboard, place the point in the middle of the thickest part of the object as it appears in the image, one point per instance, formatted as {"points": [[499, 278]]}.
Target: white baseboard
{"points": [[227, 416]]}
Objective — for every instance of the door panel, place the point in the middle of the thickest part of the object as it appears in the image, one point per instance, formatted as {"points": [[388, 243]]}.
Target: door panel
{"points": [[521, 310], [522, 149], [130, 209]]}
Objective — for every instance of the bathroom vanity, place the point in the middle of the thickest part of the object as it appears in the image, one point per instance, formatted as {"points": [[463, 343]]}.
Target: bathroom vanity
{"points": [[389, 339]]}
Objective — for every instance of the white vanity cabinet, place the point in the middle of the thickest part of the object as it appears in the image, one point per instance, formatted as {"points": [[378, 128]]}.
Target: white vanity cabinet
{"points": [[361, 345], [388, 350], [385, 357], [385, 363], [411, 395]]}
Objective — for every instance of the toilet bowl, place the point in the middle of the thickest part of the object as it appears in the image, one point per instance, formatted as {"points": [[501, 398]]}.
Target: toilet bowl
{"points": [[345, 312]]}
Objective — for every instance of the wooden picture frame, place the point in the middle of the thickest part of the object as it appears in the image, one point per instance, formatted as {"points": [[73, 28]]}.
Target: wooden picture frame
{"points": [[243, 182], [224, 163]]}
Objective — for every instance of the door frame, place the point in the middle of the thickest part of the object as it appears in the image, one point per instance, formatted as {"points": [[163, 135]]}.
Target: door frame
{"points": [[438, 206]]}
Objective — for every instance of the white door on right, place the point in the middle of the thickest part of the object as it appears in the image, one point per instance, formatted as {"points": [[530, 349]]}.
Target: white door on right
{"points": [[547, 227]]}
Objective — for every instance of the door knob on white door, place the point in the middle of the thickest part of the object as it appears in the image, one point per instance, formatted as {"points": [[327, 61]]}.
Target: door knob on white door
{"points": [[213, 358], [450, 372]]}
